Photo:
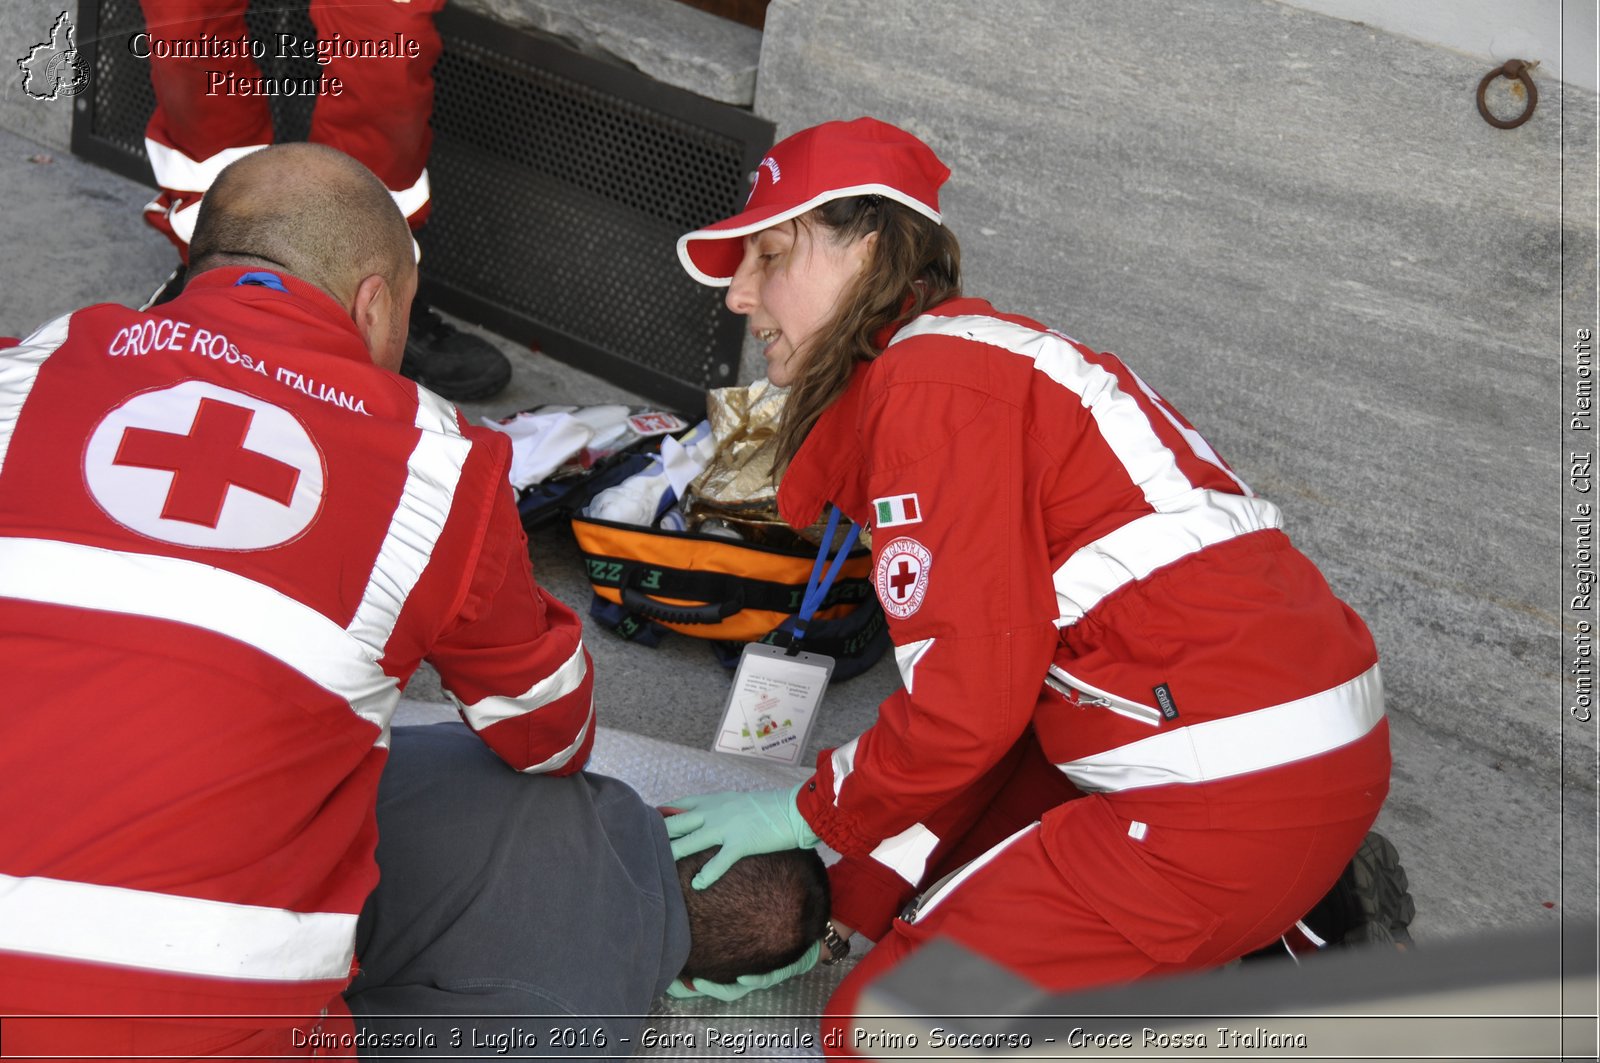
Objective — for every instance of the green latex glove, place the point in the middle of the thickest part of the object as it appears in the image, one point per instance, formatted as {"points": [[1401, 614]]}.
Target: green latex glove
{"points": [[746, 983], [744, 824]]}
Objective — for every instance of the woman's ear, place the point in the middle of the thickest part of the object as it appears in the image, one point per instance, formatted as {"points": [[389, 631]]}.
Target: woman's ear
{"points": [[863, 250]]}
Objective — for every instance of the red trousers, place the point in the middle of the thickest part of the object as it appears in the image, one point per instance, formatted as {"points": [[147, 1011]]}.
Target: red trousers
{"points": [[211, 110], [1163, 900]]}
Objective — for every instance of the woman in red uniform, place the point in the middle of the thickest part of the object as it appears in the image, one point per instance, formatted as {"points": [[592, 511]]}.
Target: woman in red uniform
{"points": [[1133, 715]]}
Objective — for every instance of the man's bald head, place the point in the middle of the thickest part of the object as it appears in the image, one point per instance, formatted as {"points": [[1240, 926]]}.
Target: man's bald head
{"points": [[313, 210], [315, 213]]}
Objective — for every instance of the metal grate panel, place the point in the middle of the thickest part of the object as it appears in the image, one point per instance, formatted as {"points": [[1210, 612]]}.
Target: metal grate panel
{"points": [[560, 182]]}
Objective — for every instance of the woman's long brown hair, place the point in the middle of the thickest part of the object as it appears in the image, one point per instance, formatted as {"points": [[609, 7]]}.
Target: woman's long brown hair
{"points": [[915, 265]]}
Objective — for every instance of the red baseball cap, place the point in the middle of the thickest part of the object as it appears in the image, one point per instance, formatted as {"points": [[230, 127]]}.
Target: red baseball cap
{"points": [[830, 161]]}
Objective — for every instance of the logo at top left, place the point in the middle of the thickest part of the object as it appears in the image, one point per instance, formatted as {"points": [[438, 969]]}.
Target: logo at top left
{"points": [[54, 68], [205, 466]]}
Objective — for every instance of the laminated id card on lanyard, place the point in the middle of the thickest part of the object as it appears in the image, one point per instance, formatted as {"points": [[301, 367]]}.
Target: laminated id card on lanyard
{"points": [[776, 691]]}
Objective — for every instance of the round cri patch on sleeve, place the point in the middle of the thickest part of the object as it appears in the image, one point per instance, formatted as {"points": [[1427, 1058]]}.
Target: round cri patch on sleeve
{"points": [[902, 576]]}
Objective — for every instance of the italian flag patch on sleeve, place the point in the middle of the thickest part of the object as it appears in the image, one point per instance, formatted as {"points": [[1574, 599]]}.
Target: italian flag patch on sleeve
{"points": [[896, 510]]}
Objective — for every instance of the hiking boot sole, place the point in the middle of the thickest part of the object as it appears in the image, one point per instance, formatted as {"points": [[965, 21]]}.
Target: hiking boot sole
{"points": [[1383, 892]]}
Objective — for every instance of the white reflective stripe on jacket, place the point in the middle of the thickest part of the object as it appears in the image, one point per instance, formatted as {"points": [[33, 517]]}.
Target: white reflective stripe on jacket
{"points": [[1236, 745], [1186, 519], [166, 932]]}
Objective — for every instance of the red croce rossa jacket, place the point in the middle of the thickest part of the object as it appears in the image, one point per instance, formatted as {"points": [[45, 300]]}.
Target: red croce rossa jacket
{"points": [[1056, 547], [227, 540]]}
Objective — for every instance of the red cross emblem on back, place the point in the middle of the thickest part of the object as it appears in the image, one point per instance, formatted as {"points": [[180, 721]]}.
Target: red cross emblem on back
{"points": [[206, 461], [201, 465]]}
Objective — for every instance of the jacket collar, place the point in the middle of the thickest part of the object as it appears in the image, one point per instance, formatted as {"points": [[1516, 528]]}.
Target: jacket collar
{"points": [[294, 295]]}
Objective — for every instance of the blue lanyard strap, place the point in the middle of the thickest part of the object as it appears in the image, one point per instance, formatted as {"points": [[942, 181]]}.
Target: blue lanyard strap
{"points": [[817, 586]]}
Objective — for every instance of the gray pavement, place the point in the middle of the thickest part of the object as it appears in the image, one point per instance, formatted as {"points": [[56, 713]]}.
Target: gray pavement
{"points": [[1492, 841]]}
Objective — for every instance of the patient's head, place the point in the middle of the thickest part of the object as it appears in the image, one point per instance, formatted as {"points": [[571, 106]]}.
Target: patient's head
{"points": [[762, 914]]}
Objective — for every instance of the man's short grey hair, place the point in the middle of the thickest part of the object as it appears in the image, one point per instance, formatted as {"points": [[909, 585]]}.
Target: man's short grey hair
{"points": [[314, 211]]}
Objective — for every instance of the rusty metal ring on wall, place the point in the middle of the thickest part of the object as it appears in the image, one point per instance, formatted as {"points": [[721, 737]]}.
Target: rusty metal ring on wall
{"points": [[1517, 70]]}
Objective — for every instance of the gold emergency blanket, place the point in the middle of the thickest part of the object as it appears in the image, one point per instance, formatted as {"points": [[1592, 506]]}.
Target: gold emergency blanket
{"points": [[736, 492]]}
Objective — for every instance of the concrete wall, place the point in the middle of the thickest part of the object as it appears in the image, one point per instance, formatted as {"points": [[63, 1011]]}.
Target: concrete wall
{"points": [[1300, 230], [1557, 35]]}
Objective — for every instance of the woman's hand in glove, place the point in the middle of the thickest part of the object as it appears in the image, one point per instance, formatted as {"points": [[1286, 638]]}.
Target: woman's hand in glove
{"points": [[743, 824], [745, 983]]}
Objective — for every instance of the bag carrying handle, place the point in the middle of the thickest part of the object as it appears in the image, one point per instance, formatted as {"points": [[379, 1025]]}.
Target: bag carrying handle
{"points": [[716, 612], [641, 603]]}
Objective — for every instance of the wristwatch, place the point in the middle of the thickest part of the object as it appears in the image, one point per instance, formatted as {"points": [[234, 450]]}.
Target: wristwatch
{"points": [[838, 948]]}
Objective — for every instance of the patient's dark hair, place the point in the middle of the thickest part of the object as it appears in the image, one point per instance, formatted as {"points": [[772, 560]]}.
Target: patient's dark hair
{"points": [[762, 914]]}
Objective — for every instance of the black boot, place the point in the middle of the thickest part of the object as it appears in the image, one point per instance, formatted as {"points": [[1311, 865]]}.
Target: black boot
{"points": [[1370, 905], [451, 363]]}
